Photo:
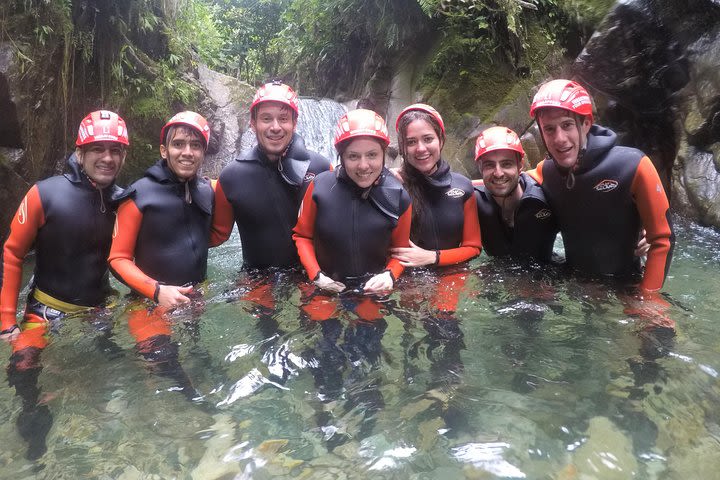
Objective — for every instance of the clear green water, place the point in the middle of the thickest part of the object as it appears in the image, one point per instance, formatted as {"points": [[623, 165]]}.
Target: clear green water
{"points": [[548, 381]]}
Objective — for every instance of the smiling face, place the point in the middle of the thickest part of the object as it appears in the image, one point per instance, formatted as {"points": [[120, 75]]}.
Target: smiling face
{"points": [[561, 134], [184, 151], [363, 160], [422, 146], [101, 161], [274, 124], [500, 172]]}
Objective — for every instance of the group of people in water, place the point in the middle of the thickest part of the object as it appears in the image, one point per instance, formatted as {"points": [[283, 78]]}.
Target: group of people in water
{"points": [[353, 228]]}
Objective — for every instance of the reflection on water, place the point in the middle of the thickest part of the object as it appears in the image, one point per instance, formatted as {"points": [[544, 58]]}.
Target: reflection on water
{"points": [[486, 372]]}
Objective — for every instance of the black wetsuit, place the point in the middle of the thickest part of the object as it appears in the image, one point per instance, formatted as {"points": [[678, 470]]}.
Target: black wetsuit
{"points": [[444, 194], [265, 198], [72, 244], [600, 216], [353, 227], [535, 227], [173, 239]]}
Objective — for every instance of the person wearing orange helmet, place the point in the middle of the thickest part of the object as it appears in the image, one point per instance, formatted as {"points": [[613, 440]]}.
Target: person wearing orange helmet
{"points": [[515, 218], [602, 194], [445, 233], [444, 229], [160, 247], [351, 219], [261, 190], [68, 219], [349, 222]]}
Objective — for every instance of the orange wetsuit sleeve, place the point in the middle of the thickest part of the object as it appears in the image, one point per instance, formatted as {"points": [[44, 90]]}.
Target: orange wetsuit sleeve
{"points": [[536, 172], [122, 252], [223, 217], [654, 209], [304, 232], [400, 238], [24, 226], [471, 243]]}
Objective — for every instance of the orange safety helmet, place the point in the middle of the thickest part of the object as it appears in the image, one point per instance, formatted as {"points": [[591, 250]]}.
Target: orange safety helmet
{"points": [[189, 119], [498, 138], [361, 123], [102, 126], [565, 94], [422, 108], [276, 91]]}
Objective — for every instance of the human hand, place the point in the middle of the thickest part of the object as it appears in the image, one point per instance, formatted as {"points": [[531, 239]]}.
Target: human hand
{"points": [[649, 309], [414, 256], [379, 284], [170, 296], [327, 283], [643, 247], [10, 333]]}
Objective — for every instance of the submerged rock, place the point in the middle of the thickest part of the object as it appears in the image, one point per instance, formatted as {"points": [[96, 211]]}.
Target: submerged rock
{"points": [[607, 453]]}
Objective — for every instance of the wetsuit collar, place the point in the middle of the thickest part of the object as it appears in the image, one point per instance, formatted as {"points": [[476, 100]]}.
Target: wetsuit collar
{"points": [[75, 173], [293, 164], [161, 173], [599, 141], [385, 193], [112, 193], [441, 177], [530, 187]]}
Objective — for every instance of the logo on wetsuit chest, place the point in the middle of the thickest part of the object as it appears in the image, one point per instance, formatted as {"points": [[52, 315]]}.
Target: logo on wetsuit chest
{"points": [[308, 177], [543, 214], [606, 186], [455, 193]]}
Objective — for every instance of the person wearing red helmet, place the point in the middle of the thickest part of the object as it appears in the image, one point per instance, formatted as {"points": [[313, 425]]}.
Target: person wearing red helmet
{"points": [[69, 220], [261, 190], [602, 194], [351, 219], [444, 233], [515, 218], [160, 247], [445, 229]]}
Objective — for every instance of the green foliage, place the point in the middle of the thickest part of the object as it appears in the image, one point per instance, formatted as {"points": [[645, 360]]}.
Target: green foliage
{"points": [[430, 8], [334, 46], [250, 28], [197, 33]]}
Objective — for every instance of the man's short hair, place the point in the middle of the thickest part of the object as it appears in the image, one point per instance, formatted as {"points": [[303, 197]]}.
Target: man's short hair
{"points": [[182, 129]]}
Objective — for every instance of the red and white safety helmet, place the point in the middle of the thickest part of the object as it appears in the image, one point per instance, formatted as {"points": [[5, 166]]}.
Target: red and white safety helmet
{"points": [[102, 126], [565, 94], [361, 123], [190, 119], [276, 92], [498, 138], [422, 108]]}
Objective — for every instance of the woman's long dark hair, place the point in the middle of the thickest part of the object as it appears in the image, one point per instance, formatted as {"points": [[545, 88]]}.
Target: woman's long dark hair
{"points": [[414, 181]]}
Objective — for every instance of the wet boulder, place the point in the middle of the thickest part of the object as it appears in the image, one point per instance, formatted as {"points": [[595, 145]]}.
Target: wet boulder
{"points": [[652, 69]]}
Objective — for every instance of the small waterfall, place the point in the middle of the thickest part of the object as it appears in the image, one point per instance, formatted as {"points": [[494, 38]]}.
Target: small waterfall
{"points": [[316, 124]]}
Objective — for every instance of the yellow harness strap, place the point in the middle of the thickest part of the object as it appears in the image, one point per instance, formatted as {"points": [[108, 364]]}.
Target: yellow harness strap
{"points": [[53, 302]]}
